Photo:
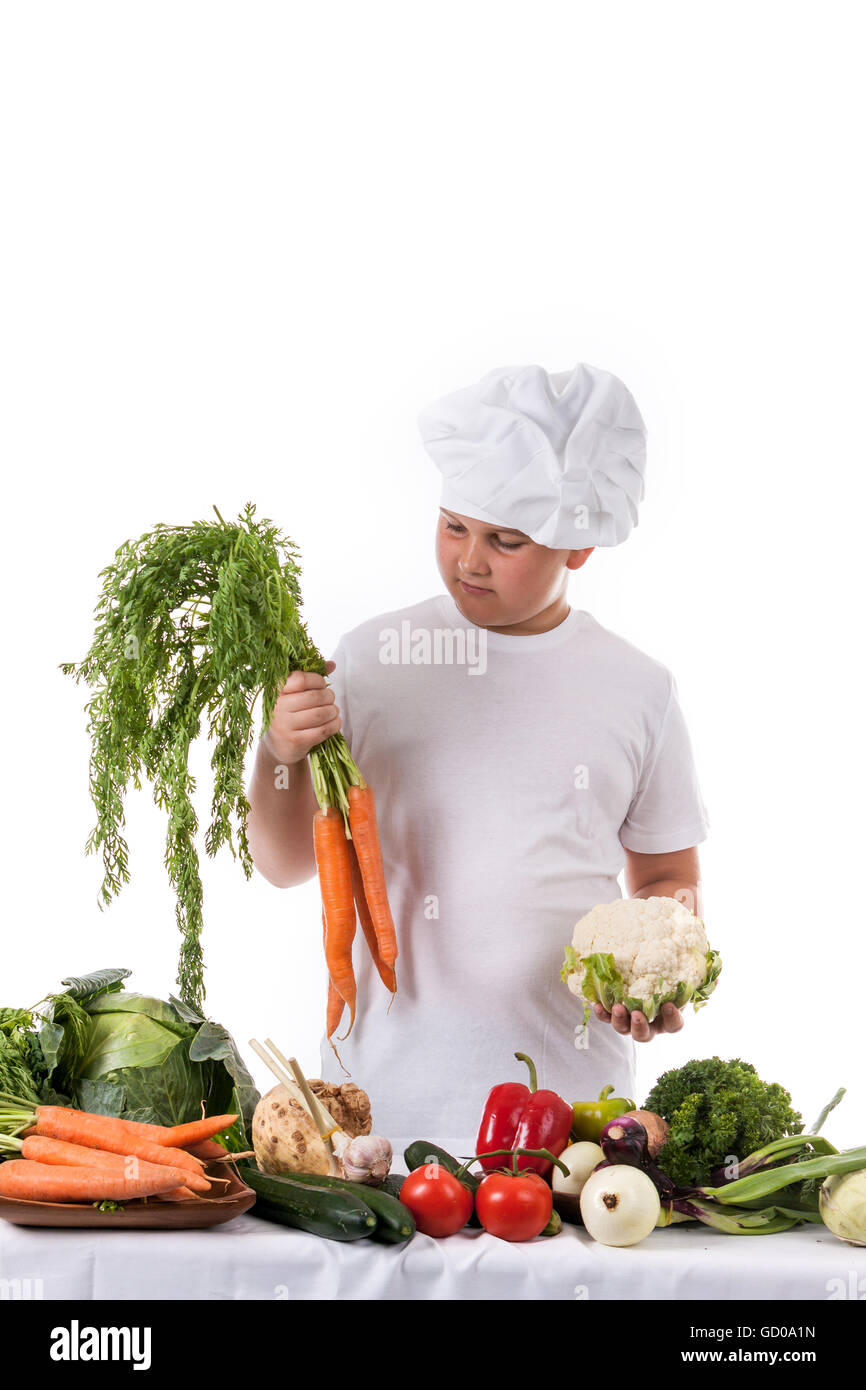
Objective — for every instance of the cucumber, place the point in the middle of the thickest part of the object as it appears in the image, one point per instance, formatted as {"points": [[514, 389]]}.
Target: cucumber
{"points": [[394, 1221], [421, 1151], [311, 1205], [393, 1184]]}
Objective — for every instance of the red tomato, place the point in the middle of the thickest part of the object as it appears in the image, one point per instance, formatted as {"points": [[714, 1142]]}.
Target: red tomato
{"points": [[513, 1207], [439, 1203]]}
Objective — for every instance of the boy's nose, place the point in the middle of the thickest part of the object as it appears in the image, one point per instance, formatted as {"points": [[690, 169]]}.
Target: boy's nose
{"points": [[472, 561]]}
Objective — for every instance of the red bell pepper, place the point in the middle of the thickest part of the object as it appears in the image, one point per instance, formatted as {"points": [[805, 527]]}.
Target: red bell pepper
{"points": [[522, 1117]]}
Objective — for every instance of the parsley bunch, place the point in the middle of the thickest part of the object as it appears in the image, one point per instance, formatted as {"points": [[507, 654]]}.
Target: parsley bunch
{"points": [[717, 1111], [192, 623]]}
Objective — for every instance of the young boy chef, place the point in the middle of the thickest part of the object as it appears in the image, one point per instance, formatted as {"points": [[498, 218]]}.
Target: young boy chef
{"points": [[521, 754]]}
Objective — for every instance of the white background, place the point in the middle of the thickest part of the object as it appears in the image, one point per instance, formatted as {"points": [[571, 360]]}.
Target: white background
{"points": [[243, 245]]}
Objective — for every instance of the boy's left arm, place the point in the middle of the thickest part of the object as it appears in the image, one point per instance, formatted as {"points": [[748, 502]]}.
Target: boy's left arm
{"points": [[676, 875]]}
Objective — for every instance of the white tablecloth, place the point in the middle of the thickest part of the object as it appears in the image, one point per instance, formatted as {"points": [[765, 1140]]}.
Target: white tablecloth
{"points": [[254, 1259]]}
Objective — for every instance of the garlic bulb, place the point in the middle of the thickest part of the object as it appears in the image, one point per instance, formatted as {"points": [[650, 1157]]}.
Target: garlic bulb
{"points": [[367, 1158]]}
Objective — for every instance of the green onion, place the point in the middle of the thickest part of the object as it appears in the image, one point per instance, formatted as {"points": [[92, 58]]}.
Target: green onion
{"points": [[765, 1183]]}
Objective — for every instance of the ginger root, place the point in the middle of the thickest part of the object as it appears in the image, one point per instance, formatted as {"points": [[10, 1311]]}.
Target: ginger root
{"points": [[348, 1105]]}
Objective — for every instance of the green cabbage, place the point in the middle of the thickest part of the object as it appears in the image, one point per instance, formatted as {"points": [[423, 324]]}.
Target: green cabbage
{"points": [[139, 1058]]}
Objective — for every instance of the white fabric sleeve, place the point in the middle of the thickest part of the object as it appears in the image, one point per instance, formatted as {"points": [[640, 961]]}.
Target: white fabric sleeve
{"points": [[667, 813], [338, 681]]}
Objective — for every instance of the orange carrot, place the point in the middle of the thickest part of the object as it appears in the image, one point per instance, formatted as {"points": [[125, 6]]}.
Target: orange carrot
{"points": [[336, 1005], [206, 1150], [335, 880], [336, 1002], [180, 1136], [183, 1136], [45, 1150], [386, 972], [178, 1194], [365, 834], [29, 1181], [106, 1132]]}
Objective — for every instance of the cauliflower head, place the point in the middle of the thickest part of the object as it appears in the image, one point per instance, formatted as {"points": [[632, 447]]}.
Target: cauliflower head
{"points": [[641, 952]]}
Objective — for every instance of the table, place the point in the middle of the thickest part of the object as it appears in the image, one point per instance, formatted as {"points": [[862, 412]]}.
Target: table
{"points": [[254, 1259]]}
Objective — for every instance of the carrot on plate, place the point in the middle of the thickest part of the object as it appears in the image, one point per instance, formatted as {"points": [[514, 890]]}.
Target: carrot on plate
{"points": [[44, 1150], [207, 1150], [28, 1181], [365, 834], [106, 1132], [333, 863], [196, 1131], [184, 1136]]}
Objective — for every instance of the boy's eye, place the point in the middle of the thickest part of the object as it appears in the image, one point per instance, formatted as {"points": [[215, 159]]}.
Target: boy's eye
{"points": [[457, 530]]}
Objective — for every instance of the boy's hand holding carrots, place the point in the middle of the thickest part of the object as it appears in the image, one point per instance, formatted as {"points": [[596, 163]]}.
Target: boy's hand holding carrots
{"points": [[305, 714]]}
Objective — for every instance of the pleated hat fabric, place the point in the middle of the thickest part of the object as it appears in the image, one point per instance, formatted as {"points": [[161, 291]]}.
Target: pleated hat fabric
{"points": [[560, 456]]}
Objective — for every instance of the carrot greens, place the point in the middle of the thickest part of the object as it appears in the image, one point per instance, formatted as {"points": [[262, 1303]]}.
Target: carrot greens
{"points": [[192, 624]]}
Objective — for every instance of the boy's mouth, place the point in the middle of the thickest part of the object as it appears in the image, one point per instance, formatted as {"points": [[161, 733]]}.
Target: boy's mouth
{"points": [[472, 588]]}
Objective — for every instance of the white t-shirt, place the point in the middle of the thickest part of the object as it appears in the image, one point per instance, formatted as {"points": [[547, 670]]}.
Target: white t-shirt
{"points": [[508, 772]]}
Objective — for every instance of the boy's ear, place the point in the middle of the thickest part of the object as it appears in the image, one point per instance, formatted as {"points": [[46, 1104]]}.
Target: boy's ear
{"points": [[576, 558]]}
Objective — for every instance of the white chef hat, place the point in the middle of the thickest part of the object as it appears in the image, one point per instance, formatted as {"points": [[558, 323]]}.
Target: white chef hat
{"points": [[560, 455]]}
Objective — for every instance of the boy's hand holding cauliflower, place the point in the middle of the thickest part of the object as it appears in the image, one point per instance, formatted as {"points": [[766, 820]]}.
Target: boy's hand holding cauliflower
{"points": [[639, 961]]}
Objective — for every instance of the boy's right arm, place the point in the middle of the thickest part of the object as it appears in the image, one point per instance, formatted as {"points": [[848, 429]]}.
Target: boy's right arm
{"points": [[281, 796]]}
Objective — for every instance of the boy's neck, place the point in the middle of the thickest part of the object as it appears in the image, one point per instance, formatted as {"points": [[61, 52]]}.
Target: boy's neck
{"points": [[549, 617]]}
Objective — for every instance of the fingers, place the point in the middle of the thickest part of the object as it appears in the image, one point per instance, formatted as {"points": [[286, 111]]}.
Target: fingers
{"points": [[620, 1021], [304, 680], [672, 1019], [318, 703], [305, 714], [669, 1020], [332, 727]]}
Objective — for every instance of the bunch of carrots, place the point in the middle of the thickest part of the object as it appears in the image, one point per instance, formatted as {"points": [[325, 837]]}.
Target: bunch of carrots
{"points": [[352, 876], [76, 1156]]}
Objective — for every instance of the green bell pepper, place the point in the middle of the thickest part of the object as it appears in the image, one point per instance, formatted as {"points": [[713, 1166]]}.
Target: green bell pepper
{"points": [[591, 1116]]}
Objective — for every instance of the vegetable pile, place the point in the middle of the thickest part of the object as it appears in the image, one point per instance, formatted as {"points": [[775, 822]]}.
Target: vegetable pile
{"points": [[786, 1171], [716, 1109], [101, 1049], [334, 1208], [72, 1156], [193, 623], [726, 1150], [512, 1203], [647, 1169], [311, 1173]]}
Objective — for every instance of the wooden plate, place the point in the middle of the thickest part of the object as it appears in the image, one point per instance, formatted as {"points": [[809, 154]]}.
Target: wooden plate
{"points": [[235, 1197]]}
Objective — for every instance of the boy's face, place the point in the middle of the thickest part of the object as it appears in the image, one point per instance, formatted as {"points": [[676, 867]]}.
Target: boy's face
{"points": [[497, 576]]}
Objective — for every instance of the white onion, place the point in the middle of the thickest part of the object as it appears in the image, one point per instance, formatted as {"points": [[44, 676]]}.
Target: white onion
{"points": [[619, 1205], [579, 1159]]}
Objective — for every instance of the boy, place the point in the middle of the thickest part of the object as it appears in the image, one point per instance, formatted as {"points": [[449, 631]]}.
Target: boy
{"points": [[521, 754]]}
